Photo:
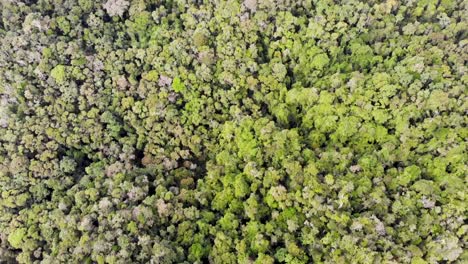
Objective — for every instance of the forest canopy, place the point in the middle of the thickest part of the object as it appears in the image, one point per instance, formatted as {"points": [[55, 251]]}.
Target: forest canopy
{"points": [[227, 131]]}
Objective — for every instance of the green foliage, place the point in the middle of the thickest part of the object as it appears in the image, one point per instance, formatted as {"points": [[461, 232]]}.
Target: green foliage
{"points": [[233, 131], [410, 174], [16, 237], [178, 85], [320, 61], [152, 76], [59, 74], [64, 25]]}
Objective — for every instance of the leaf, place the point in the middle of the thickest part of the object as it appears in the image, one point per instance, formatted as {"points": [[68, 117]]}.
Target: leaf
{"points": [[16, 237], [58, 73], [178, 85]]}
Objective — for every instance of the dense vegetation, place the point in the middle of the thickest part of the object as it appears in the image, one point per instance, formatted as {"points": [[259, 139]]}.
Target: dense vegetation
{"points": [[256, 131]]}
